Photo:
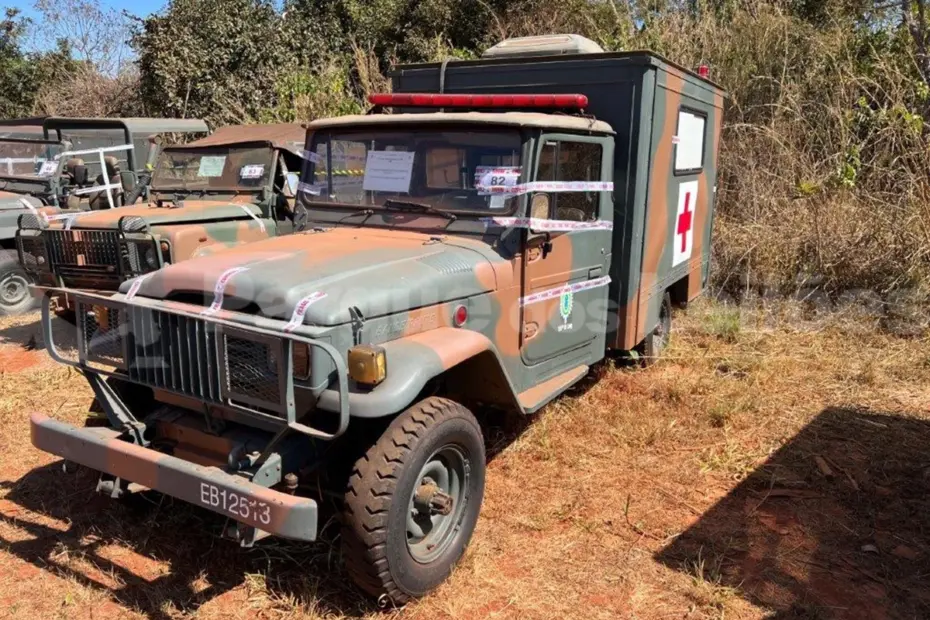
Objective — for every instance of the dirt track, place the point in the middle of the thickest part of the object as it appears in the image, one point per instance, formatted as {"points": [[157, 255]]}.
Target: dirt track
{"points": [[765, 465]]}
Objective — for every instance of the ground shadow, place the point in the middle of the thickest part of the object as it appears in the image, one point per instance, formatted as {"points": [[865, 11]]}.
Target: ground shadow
{"points": [[188, 539], [202, 566], [26, 332], [835, 524]]}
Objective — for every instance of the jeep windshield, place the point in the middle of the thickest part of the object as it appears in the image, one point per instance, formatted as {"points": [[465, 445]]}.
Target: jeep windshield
{"points": [[30, 159], [213, 169], [472, 170]]}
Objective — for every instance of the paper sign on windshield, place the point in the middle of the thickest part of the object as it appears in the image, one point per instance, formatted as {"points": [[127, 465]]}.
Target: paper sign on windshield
{"points": [[388, 171], [253, 171], [48, 168], [212, 166]]}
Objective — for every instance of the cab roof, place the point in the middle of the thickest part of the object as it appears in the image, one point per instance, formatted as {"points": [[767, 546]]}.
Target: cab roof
{"points": [[133, 125], [286, 136], [516, 119]]}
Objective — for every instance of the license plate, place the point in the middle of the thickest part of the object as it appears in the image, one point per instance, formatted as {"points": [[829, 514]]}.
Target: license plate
{"points": [[236, 505]]}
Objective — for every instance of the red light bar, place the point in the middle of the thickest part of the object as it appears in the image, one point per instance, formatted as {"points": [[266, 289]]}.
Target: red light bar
{"points": [[428, 100]]}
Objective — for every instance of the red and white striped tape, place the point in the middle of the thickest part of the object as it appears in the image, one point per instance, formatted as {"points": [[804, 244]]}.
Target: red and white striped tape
{"points": [[248, 212], [136, 285], [548, 186], [300, 310], [220, 287], [547, 225], [552, 293]]}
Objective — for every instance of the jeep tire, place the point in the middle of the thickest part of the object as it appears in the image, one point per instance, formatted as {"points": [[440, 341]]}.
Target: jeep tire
{"points": [[413, 500], [657, 341], [15, 297]]}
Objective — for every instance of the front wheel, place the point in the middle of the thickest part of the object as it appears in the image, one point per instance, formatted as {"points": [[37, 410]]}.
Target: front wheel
{"points": [[413, 500], [15, 297]]}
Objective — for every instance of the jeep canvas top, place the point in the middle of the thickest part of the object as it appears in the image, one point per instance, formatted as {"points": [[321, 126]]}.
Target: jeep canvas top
{"points": [[487, 233]]}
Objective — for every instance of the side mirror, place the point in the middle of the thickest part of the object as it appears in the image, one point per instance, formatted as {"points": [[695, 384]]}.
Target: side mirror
{"points": [[539, 207], [293, 181]]}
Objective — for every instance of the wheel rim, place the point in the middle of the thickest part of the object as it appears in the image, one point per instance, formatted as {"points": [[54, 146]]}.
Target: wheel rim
{"points": [[13, 289], [441, 481]]}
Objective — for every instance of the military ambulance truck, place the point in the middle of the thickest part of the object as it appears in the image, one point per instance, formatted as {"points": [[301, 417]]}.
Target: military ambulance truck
{"points": [[513, 221], [73, 164], [235, 186]]}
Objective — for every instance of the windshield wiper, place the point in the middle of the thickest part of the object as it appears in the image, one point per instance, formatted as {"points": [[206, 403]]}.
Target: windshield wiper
{"points": [[418, 206]]}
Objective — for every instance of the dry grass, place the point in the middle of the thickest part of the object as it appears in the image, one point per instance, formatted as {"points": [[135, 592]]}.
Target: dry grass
{"points": [[687, 490]]}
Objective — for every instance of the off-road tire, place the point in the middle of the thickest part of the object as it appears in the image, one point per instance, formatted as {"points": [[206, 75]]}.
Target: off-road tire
{"points": [[15, 297], [657, 341], [380, 489]]}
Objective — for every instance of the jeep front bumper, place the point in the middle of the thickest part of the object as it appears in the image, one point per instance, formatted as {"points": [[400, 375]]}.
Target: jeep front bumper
{"points": [[102, 449]]}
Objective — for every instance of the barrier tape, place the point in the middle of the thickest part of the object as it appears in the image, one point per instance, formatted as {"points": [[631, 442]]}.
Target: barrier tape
{"points": [[248, 212], [220, 287], [301, 309], [136, 285], [547, 225], [547, 186], [68, 217], [558, 292], [103, 170]]}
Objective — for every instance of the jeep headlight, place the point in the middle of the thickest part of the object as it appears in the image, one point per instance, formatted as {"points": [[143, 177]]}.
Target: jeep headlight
{"points": [[367, 364], [151, 258]]}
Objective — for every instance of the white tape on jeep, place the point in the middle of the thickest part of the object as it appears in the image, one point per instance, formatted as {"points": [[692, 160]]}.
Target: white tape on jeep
{"points": [[248, 212], [33, 210], [68, 217], [547, 186], [104, 149], [552, 293], [136, 285], [311, 188], [96, 188], [301, 309], [220, 287], [547, 225], [311, 156]]}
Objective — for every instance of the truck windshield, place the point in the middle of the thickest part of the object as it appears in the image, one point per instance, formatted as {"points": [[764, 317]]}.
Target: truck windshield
{"points": [[453, 170], [213, 169], [29, 159]]}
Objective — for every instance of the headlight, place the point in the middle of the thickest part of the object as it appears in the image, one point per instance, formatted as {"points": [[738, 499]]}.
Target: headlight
{"points": [[151, 258], [367, 364]]}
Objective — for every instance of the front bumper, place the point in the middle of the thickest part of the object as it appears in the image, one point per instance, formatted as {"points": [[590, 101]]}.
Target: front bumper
{"points": [[102, 449]]}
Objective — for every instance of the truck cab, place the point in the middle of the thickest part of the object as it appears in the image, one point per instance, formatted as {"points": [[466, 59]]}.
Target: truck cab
{"points": [[236, 186], [481, 238]]}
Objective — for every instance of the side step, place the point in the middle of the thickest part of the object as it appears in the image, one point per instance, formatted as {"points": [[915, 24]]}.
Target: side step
{"points": [[535, 398]]}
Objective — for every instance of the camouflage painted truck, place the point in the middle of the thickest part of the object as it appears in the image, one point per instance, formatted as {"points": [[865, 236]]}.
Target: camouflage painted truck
{"points": [[234, 186], [71, 165], [483, 246]]}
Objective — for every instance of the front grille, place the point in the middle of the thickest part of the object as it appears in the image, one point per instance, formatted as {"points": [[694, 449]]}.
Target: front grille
{"points": [[31, 251], [174, 352], [103, 336], [252, 369], [86, 253]]}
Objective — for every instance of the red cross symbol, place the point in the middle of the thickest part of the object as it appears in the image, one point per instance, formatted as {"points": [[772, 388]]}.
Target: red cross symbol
{"points": [[684, 222]]}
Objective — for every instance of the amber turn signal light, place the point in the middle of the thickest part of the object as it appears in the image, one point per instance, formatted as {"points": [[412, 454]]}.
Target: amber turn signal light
{"points": [[367, 364]]}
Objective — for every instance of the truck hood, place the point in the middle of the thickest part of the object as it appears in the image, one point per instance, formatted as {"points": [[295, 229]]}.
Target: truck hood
{"points": [[12, 200], [377, 272], [192, 212]]}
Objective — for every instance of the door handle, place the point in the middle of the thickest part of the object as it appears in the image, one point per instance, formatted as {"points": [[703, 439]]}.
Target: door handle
{"points": [[595, 272]]}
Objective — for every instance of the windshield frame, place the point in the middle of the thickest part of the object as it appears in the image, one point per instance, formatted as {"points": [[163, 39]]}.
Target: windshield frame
{"points": [[527, 138], [221, 149], [32, 178]]}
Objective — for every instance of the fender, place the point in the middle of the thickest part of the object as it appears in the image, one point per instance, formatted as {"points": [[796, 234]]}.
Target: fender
{"points": [[415, 360]]}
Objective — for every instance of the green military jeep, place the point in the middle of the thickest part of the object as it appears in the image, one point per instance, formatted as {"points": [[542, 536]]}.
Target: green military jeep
{"points": [[234, 186], [484, 248], [72, 165]]}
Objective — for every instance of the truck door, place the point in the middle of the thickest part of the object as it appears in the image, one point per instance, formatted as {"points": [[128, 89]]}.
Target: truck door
{"points": [[567, 256]]}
